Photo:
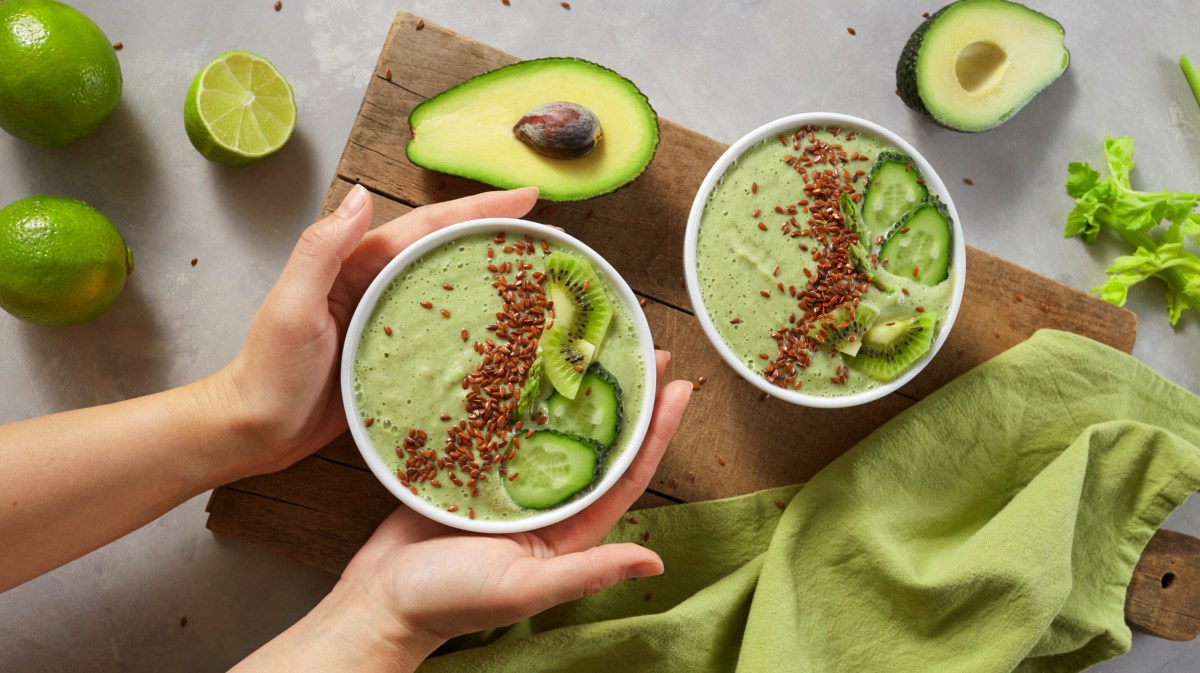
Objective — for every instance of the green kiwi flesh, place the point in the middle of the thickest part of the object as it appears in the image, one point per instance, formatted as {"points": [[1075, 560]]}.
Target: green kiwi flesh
{"points": [[889, 349], [581, 313]]}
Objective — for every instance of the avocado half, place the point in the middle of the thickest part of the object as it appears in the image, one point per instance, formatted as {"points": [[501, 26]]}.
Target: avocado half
{"points": [[468, 130], [974, 63]]}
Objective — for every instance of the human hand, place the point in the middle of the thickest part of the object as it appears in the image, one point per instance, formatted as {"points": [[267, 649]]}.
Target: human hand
{"points": [[281, 391], [422, 582]]}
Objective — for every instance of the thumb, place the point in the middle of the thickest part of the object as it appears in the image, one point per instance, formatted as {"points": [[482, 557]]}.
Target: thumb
{"points": [[317, 258], [573, 576]]}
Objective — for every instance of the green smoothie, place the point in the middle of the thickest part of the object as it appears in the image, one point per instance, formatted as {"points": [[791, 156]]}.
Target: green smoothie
{"points": [[425, 337], [757, 255]]}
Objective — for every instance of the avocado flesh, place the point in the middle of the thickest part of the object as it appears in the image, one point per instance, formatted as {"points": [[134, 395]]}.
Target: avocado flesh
{"points": [[973, 64], [468, 130]]}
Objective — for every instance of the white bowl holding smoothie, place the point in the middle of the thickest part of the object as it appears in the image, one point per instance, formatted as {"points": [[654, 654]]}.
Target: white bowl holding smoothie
{"points": [[825, 259], [498, 376]]}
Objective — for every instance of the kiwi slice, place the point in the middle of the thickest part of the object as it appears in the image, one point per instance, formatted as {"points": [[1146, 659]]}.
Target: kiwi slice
{"points": [[843, 328], [889, 348], [581, 315]]}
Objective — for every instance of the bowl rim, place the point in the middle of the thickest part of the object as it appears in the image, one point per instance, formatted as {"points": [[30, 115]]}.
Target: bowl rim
{"points": [[773, 128], [366, 307]]}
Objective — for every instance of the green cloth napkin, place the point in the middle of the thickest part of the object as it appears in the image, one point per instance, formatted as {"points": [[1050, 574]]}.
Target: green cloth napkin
{"points": [[992, 527]]}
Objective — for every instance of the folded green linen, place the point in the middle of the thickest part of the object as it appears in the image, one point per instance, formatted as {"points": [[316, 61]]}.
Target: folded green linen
{"points": [[992, 527]]}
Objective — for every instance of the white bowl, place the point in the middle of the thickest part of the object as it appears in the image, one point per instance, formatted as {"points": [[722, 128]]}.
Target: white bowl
{"points": [[771, 130], [621, 293]]}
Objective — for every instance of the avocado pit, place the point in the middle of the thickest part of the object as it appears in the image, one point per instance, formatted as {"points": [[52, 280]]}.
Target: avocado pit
{"points": [[560, 130]]}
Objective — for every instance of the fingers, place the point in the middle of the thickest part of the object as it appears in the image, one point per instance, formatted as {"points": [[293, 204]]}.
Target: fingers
{"points": [[661, 358], [317, 258], [587, 528], [573, 576], [382, 244]]}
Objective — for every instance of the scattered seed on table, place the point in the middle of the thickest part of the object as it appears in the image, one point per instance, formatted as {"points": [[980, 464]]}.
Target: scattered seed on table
{"points": [[897, 93], [1018, 297], [691, 475], [642, 302], [851, 31], [183, 623], [1045, 307], [278, 5], [420, 24], [194, 261], [764, 397], [780, 504], [702, 380], [504, 2], [925, 14], [387, 74], [565, 5], [682, 282], [968, 181], [961, 350], [721, 461], [118, 45]]}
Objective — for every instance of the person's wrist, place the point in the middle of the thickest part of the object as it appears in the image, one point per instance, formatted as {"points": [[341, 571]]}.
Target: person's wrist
{"points": [[370, 623], [236, 429]]}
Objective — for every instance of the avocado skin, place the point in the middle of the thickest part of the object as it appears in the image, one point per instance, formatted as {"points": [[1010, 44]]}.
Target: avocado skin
{"points": [[906, 67], [545, 196]]}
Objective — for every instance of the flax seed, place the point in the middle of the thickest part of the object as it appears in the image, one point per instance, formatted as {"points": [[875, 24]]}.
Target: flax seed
{"points": [[851, 31], [426, 304], [721, 460], [368, 421], [387, 330], [968, 181], [118, 46], [445, 313]]}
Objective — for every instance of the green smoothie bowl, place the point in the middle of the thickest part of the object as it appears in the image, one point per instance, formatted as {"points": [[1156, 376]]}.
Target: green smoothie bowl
{"points": [[825, 259], [498, 376]]}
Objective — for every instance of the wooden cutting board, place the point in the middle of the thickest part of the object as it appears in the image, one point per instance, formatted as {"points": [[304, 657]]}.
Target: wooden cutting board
{"points": [[321, 510]]}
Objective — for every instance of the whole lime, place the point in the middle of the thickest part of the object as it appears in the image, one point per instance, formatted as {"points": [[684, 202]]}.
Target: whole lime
{"points": [[61, 261], [60, 77]]}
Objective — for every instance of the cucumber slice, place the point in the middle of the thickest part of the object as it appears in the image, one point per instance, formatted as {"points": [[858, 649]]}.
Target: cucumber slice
{"points": [[919, 245], [551, 466], [596, 412], [892, 190]]}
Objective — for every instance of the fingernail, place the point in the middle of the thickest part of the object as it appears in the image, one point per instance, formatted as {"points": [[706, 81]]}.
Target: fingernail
{"points": [[644, 569], [354, 202]]}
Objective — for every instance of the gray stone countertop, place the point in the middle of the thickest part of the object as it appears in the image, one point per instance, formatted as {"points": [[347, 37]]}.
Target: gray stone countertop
{"points": [[173, 596]]}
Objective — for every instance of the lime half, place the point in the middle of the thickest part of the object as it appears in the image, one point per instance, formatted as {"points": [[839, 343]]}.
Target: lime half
{"points": [[239, 110]]}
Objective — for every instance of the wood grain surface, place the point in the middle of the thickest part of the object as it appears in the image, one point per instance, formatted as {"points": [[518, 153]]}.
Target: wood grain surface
{"points": [[321, 510]]}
